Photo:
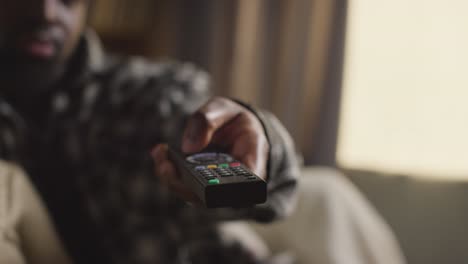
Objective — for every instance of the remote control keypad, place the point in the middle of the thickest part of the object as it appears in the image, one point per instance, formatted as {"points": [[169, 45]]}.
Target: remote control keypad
{"points": [[211, 172]]}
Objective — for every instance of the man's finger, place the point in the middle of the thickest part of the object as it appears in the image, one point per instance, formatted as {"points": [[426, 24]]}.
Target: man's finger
{"points": [[162, 165], [206, 121], [253, 152], [168, 175]]}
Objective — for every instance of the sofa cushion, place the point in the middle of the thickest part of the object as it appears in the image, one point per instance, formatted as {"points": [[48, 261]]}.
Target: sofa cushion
{"points": [[333, 223], [429, 217]]}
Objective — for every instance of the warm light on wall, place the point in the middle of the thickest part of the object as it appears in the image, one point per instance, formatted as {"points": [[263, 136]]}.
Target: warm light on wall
{"points": [[405, 103]]}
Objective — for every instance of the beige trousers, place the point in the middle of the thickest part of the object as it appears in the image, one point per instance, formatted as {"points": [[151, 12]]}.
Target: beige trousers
{"points": [[26, 232]]}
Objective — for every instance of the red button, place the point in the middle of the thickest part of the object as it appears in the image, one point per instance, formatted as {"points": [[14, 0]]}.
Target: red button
{"points": [[235, 164]]}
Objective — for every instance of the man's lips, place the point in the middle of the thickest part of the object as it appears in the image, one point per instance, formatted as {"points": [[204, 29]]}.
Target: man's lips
{"points": [[43, 49], [42, 44]]}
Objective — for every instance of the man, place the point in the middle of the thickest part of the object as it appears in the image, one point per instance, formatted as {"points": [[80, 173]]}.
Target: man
{"points": [[83, 125]]}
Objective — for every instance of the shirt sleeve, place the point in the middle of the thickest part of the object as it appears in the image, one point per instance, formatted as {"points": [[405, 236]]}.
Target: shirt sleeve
{"points": [[283, 161], [282, 170]]}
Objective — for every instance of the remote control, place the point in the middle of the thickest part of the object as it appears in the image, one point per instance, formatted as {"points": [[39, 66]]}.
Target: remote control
{"points": [[219, 180]]}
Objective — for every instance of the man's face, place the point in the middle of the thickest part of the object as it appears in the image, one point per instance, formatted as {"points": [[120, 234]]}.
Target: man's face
{"points": [[37, 34]]}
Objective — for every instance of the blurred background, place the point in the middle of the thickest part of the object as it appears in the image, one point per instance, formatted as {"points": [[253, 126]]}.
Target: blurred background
{"points": [[376, 88]]}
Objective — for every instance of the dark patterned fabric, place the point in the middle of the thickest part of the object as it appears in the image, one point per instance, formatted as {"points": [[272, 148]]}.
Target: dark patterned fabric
{"points": [[86, 146]]}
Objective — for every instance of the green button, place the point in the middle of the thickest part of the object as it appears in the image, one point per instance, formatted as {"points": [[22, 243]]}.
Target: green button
{"points": [[223, 165], [213, 181]]}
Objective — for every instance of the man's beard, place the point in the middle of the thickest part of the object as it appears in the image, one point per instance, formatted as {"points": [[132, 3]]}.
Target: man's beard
{"points": [[23, 76], [23, 72]]}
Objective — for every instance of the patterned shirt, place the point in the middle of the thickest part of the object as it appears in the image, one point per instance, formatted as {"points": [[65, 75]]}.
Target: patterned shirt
{"points": [[86, 143]]}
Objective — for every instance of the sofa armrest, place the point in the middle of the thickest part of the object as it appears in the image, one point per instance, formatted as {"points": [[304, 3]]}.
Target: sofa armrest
{"points": [[333, 223]]}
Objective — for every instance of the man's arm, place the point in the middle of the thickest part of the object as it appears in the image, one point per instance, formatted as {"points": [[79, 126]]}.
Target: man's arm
{"points": [[254, 137]]}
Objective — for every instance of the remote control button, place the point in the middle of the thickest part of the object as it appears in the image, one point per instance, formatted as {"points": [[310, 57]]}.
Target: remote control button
{"points": [[213, 181], [235, 164], [209, 157], [222, 158], [199, 168], [224, 172], [212, 166], [224, 165], [202, 157], [242, 173]]}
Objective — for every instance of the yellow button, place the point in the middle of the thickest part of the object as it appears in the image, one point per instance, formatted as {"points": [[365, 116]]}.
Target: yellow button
{"points": [[212, 166]]}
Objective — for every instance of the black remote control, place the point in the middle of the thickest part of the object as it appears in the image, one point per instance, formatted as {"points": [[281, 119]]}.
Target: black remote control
{"points": [[219, 180]]}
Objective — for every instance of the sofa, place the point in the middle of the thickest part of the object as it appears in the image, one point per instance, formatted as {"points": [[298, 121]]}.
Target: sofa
{"points": [[429, 217], [364, 217]]}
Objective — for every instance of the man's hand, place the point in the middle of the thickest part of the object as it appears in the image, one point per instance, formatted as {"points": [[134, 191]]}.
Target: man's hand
{"points": [[221, 122]]}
